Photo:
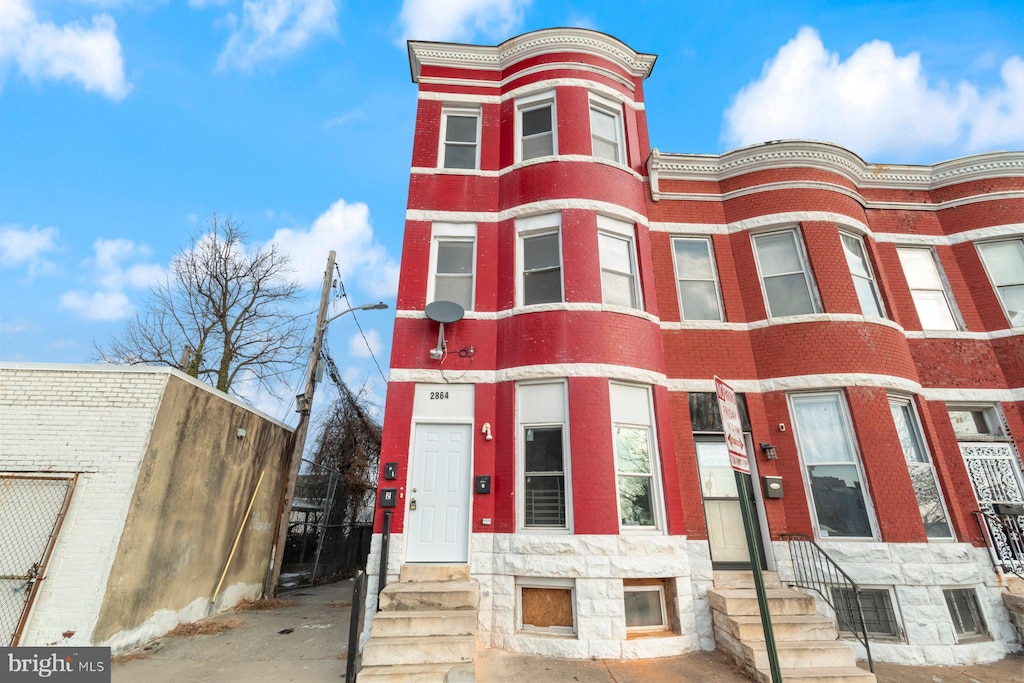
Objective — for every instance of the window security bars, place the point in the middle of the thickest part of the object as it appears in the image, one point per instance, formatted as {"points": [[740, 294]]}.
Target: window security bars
{"points": [[814, 570]]}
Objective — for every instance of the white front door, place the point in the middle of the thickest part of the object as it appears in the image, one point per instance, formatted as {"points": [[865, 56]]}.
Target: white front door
{"points": [[437, 522], [721, 503]]}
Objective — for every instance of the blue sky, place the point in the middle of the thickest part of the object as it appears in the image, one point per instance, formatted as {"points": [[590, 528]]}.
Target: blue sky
{"points": [[124, 124]]}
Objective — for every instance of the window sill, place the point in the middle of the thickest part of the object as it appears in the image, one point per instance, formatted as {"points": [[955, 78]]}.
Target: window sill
{"points": [[639, 635]]}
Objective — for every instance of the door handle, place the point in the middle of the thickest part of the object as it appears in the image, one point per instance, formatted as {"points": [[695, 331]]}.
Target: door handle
{"points": [[412, 504]]}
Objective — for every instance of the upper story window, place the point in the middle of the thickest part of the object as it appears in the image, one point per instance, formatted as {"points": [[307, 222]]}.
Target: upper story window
{"points": [[785, 275], [460, 146], [636, 461], [697, 278], [619, 285], [541, 259], [606, 130], [1004, 262], [931, 298], [544, 490], [536, 129], [860, 270], [453, 257]]}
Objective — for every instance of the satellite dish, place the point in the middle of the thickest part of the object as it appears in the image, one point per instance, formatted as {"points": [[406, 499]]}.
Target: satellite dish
{"points": [[443, 312]]}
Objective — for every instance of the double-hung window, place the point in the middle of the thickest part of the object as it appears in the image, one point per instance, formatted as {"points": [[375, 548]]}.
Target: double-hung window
{"points": [[606, 130], [635, 456], [452, 263], [695, 272], [784, 274], [927, 288], [619, 285], [922, 473], [460, 146], [535, 122], [825, 442], [541, 258], [860, 270], [544, 456], [1004, 262]]}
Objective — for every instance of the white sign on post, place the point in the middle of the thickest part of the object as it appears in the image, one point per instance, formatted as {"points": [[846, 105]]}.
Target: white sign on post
{"points": [[730, 412]]}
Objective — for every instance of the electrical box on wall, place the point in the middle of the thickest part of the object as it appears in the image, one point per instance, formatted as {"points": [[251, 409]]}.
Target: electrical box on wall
{"points": [[388, 498], [391, 470], [772, 487], [483, 484]]}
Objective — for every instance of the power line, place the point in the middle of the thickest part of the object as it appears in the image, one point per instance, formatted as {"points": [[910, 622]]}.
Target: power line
{"points": [[366, 341]]}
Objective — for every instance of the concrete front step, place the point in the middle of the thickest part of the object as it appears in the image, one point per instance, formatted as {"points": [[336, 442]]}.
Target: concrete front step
{"points": [[744, 579], [785, 628], [846, 674], [743, 602], [434, 572], [391, 624], [802, 655], [418, 650], [416, 673], [430, 596]]}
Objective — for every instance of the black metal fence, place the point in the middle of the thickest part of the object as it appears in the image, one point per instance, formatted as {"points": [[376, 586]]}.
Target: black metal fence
{"points": [[323, 543]]}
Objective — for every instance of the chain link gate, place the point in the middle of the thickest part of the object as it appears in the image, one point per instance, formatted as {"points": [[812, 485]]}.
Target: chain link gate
{"points": [[32, 510]]}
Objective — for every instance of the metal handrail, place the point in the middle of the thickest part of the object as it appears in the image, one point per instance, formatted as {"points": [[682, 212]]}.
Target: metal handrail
{"points": [[1013, 531], [815, 570], [385, 542]]}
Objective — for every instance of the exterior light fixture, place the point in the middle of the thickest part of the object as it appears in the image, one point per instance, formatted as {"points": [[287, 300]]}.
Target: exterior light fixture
{"points": [[300, 404], [769, 451], [486, 431]]}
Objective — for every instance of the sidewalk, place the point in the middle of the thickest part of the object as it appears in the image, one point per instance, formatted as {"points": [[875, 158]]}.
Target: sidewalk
{"points": [[263, 650]]}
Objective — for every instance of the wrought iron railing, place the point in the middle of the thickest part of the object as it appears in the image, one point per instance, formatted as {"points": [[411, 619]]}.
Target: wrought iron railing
{"points": [[814, 570], [385, 542], [1004, 537]]}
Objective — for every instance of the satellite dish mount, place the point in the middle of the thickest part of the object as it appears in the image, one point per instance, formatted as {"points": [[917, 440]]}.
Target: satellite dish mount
{"points": [[443, 312]]}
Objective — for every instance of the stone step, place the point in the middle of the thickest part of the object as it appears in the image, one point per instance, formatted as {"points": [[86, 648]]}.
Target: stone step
{"points": [[417, 650], [744, 579], [743, 602], [412, 673], [844, 674], [801, 655], [785, 628], [430, 596], [391, 624], [434, 572]]}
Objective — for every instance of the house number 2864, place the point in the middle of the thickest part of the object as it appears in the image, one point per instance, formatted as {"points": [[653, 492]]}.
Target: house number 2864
{"points": [[438, 395]]}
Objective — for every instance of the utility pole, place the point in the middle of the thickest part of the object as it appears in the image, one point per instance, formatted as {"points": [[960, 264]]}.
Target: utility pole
{"points": [[301, 429]]}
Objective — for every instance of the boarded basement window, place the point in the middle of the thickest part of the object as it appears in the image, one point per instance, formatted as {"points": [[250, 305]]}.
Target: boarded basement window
{"points": [[547, 607]]}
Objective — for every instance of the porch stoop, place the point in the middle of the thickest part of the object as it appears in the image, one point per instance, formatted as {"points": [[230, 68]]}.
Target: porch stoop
{"points": [[807, 643], [425, 631]]}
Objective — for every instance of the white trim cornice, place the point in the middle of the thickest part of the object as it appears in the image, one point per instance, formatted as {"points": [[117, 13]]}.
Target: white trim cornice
{"points": [[832, 158], [513, 50]]}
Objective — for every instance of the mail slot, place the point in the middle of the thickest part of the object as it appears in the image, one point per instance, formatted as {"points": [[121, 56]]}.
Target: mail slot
{"points": [[391, 470], [483, 483], [388, 498], [772, 487]]}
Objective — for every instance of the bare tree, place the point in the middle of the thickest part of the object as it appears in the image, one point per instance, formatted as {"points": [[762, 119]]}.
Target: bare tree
{"points": [[221, 315]]}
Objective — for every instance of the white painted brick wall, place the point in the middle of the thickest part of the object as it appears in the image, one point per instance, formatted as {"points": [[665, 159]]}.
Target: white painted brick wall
{"points": [[95, 421]]}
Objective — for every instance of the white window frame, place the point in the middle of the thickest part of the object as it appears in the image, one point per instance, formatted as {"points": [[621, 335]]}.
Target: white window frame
{"points": [[657, 497], [521, 427], [986, 631], [447, 111], [660, 589], [542, 583], [621, 230], [997, 288], [872, 282], [895, 399], [858, 462], [805, 266], [451, 232], [537, 226], [535, 101], [714, 274], [951, 307], [613, 109]]}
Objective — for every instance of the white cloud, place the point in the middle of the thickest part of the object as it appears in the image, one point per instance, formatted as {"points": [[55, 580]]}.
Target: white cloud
{"points": [[112, 272], [272, 29], [460, 19], [873, 102], [90, 55], [345, 228], [357, 348], [27, 246], [203, 4], [19, 326]]}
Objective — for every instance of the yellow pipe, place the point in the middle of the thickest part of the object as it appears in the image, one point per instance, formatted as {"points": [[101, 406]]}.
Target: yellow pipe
{"points": [[238, 537]]}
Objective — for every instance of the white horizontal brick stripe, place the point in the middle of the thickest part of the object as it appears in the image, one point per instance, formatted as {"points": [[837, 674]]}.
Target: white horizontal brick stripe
{"points": [[548, 205], [582, 158], [523, 91], [539, 308], [527, 372]]}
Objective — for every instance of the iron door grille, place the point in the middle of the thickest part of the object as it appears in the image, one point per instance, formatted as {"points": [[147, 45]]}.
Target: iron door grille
{"points": [[32, 509]]}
